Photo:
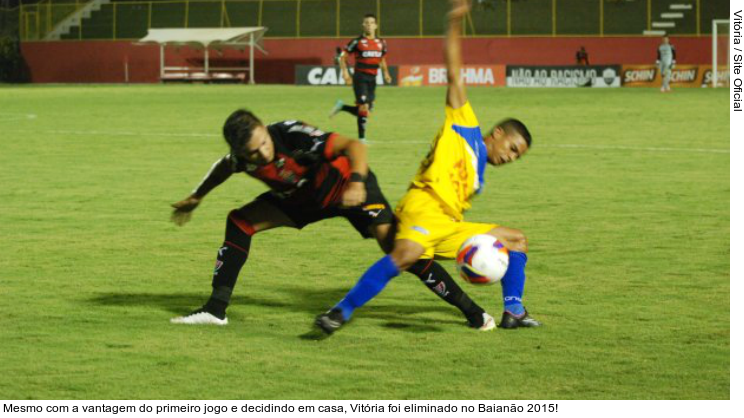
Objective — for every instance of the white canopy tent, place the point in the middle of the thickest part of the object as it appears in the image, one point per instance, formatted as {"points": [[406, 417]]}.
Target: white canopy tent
{"points": [[206, 38]]}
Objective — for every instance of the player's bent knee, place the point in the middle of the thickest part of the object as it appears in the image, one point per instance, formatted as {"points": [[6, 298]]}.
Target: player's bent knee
{"points": [[405, 257], [385, 235], [237, 221], [516, 240], [520, 236], [513, 239], [520, 241]]}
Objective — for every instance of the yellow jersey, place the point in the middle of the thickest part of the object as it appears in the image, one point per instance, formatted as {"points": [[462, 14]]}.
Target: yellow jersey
{"points": [[454, 168]]}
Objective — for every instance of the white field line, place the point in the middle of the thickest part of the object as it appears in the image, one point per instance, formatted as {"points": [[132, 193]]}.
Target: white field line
{"points": [[593, 147], [114, 133], [6, 116], [373, 143], [652, 149]]}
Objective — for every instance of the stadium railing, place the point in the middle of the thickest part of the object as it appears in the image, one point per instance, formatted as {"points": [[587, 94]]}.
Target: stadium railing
{"points": [[122, 19], [9, 22]]}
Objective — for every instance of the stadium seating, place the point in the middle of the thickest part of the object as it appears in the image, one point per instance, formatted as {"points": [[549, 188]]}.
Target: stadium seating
{"points": [[129, 19]]}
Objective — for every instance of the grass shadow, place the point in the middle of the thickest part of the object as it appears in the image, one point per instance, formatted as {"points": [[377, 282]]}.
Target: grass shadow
{"points": [[293, 298], [176, 303]]}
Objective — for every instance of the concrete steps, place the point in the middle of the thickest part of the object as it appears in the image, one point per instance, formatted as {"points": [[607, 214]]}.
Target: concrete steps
{"points": [[64, 27], [677, 12]]}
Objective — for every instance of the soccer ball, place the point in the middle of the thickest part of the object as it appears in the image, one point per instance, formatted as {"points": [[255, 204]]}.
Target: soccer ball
{"points": [[482, 260]]}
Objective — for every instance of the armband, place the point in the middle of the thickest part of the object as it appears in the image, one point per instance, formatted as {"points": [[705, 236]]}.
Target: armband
{"points": [[356, 178]]}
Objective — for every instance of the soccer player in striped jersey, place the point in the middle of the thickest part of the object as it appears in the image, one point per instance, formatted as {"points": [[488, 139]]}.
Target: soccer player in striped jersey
{"points": [[369, 57], [430, 215], [312, 175]]}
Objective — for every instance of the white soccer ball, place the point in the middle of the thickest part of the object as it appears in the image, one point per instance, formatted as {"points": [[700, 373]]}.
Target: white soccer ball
{"points": [[482, 260]]}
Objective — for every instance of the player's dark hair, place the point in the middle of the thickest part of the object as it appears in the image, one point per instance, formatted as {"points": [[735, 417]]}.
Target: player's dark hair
{"points": [[371, 15], [239, 127], [516, 126]]}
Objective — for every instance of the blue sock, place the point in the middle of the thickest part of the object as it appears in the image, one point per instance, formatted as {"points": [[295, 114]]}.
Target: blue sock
{"points": [[369, 285], [512, 284]]}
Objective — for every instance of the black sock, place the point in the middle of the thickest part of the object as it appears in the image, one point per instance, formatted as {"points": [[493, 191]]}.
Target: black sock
{"points": [[436, 278], [354, 110], [230, 259], [362, 125]]}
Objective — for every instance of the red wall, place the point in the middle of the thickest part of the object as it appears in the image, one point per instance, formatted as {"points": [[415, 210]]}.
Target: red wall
{"points": [[103, 61]]}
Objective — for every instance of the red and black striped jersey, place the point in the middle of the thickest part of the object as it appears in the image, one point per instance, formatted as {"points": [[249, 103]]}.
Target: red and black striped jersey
{"points": [[368, 53], [304, 170]]}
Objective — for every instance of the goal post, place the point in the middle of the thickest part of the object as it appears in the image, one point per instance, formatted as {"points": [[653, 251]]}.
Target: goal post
{"points": [[720, 39]]}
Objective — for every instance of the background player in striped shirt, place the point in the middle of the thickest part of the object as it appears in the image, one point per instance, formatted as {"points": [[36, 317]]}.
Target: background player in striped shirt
{"points": [[369, 57]]}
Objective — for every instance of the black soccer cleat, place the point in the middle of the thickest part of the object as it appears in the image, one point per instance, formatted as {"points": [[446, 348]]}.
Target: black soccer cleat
{"points": [[330, 321], [479, 319], [511, 321]]}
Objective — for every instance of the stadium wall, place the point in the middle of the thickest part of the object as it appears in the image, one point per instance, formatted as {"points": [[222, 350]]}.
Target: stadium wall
{"points": [[104, 61]]}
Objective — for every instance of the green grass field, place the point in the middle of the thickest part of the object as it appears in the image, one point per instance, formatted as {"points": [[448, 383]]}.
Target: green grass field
{"points": [[624, 197]]}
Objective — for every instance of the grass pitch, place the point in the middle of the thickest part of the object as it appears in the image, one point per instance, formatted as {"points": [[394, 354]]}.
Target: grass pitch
{"points": [[624, 197]]}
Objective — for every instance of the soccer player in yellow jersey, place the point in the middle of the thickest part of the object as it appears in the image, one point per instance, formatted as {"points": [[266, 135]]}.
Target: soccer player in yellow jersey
{"points": [[430, 215]]}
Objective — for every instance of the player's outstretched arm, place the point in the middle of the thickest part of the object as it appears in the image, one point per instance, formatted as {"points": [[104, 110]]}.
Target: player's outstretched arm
{"points": [[456, 96], [355, 193], [220, 171], [182, 210]]}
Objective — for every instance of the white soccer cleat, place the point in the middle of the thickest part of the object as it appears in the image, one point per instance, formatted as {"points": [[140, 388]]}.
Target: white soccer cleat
{"points": [[336, 108], [200, 318], [488, 323]]}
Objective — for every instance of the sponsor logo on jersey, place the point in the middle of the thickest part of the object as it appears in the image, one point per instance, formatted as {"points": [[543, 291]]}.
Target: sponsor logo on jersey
{"points": [[374, 206], [288, 176], [371, 54], [420, 229], [374, 210], [306, 129]]}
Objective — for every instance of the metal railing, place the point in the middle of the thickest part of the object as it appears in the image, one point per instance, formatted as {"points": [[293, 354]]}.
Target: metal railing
{"points": [[9, 21], [36, 20], [342, 18]]}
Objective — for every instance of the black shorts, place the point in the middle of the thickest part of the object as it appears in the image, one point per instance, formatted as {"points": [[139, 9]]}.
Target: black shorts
{"points": [[375, 211], [364, 88]]}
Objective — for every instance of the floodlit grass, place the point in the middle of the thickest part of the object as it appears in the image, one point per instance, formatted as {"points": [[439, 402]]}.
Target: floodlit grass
{"points": [[624, 197]]}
